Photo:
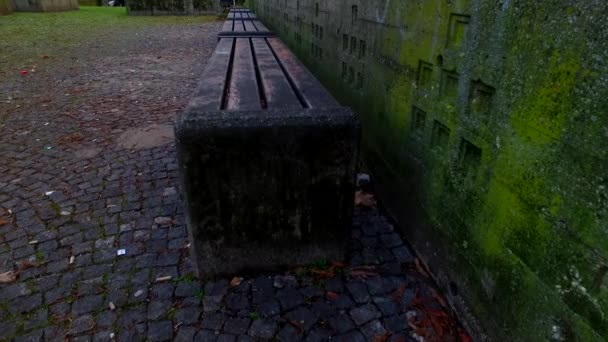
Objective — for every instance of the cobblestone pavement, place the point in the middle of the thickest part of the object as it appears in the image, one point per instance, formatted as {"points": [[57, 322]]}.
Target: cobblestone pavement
{"points": [[88, 171]]}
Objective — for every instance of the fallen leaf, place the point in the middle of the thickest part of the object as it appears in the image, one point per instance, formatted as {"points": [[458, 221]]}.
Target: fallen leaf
{"points": [[331, 295], [3, 221], [323, 274], [236, 281], [7, 277], [297, 325], [363, 274], [363, 199], [381, 338], [71, 138], [25, 264]]}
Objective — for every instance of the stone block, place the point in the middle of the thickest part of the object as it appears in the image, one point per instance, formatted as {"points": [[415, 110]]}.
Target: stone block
{"points": [[267, 160]]}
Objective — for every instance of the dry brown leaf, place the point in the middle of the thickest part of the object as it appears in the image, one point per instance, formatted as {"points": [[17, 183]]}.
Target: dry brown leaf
{"points": [[363, 199], [4, 221], [363, 274], [74, 137], [7, 277], [25, 264], [323, 274], [382, 338], [331, 295], [236, 281]]}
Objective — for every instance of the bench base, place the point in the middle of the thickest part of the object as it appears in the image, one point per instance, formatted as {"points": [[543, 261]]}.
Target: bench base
{"points": [[267, 188]]}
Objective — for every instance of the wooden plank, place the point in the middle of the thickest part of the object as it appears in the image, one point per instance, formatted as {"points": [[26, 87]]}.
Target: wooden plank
{"points": [[249, 26], [239, 26], [244, 94], [277, 89], [260, 26], [231, 15], [313, 92], [210, 92], [228, 26]]}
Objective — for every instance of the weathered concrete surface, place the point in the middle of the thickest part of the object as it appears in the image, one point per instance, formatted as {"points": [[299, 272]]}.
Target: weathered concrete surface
{"points": [[6, 7], [266, 189], [45, 5], [488, 120]]}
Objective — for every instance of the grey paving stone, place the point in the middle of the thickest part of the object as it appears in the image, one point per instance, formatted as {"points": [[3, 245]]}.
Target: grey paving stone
{"points": [[319, 334], [237, 301], [264, 329], [396, 323], [303, 317], [226, 338], [87, 304], [341, 323], [36, 320], [323, 310], [403, 254], [14, 290], [105, 319], [158, 309], [237, 326], [358, 291], [81, 324], [269, 308], [289, 298], [213, 321], [391, 240], [353, 336], [387, 305], [205, 336], [343, 302], [25, 304], [162, 291], [289, 333], [187, 289], [33, 336], [102, 336], [373, 330], [281, 281], [187, 316], [185, 334], [160, 331], [363, 314]]}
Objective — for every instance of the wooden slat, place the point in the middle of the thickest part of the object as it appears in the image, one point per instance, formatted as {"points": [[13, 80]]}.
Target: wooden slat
{"points": [[244, 94], [261, 27], [311, 89], [239, 26], [231, 15], [228, 26], [277, 89], [210, 92], [249, 26]]}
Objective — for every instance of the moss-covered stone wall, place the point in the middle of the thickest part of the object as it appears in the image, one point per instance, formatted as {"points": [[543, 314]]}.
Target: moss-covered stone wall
{"points": [[487, 123]]}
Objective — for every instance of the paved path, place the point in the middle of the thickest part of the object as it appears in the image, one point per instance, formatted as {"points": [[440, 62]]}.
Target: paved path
{"points": [[88, 171]]}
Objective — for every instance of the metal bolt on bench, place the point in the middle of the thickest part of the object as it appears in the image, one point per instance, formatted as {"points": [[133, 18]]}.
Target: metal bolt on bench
{"points": [[267, 160]]}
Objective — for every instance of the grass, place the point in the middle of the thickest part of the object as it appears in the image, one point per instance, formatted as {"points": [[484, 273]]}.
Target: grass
{"points": [[28, 39]]}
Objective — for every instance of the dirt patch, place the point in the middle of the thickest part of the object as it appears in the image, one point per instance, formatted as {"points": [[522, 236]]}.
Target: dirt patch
{"points": [[146, 137]]}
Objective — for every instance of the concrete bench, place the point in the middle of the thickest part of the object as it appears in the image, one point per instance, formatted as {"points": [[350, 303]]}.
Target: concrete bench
{"points": [[244, 28], [267, 160]]}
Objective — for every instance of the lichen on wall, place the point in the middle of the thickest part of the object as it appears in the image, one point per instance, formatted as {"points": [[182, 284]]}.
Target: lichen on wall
{"points": [[489, 120]]}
